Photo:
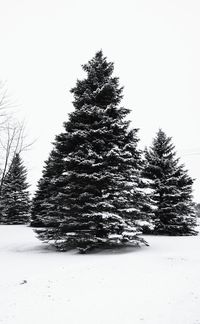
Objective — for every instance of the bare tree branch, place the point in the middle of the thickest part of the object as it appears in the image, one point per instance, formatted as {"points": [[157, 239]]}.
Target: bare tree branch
{"points": [[5, 104], [13, 138]]}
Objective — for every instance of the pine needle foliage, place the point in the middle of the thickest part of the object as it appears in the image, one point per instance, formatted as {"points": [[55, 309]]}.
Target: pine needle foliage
{"points": [[85, 197], [15, 201], [171, 189]]}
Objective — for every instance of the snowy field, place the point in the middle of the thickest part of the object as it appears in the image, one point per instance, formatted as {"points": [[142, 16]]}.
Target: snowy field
{"points": [[159, 284]]}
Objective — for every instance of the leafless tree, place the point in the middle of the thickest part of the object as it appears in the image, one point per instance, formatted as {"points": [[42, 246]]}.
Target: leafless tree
{"points": [[12, 134], [5, 104]]}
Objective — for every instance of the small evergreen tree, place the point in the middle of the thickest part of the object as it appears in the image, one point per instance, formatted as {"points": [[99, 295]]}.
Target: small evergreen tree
{"points": [[88, 193], [15, 201], [197, 210], [171, 189]]}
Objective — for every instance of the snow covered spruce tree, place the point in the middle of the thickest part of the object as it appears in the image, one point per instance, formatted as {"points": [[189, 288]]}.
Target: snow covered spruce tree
{"points": [[171, 189], [15, 201], [85, 198]]}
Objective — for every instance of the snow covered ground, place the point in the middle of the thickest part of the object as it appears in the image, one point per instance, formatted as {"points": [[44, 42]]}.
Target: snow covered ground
{"points": [[159, 284]]}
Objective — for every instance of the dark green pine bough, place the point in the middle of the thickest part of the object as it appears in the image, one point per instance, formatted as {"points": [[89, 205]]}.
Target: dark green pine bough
{"points": [[88, 196], [171, 189]]}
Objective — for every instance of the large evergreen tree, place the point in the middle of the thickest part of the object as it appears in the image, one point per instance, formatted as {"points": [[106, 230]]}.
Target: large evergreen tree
{"points": [[15, 201], [88, 194], [170, 189]]}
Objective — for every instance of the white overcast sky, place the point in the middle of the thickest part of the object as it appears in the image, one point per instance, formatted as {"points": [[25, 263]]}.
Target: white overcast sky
{"points": [[155, 45]]}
